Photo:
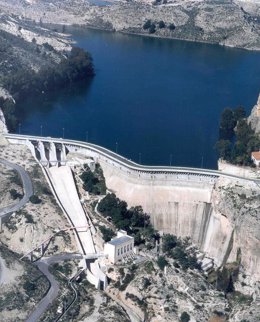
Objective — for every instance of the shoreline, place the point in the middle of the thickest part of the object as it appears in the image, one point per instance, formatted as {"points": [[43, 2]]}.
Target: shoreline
{"points": [[140, 34]]}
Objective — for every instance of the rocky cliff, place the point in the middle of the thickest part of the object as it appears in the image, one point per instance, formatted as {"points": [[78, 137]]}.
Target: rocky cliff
{"points": [[254, 117]]}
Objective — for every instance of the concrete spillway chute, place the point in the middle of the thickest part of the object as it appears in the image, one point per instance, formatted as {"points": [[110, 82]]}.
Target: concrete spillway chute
{"points": [[41, 149], [31, 147], [52, 154]]}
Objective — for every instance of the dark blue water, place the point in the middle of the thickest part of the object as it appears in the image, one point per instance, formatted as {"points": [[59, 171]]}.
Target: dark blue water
{"points": [[155, 101]]}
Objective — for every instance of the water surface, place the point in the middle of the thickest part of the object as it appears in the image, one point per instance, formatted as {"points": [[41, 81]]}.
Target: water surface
{"points": [[155, 101]]}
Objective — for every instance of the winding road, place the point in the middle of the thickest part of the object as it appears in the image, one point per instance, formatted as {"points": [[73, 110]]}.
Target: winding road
{"points": [[27, 188], [43, 265]]}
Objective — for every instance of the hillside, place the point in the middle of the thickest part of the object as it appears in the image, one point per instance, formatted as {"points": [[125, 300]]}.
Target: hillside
{"points": [[226, 22], [35, 60]]}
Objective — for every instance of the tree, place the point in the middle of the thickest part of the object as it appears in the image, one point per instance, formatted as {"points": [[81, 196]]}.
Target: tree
{"points": [[152, 29], [239, 113], [35, 199], [224, 149], [185, 317], [169, 242], [172, 26], [161, 24], [107, 233], [162, 262], [227, 124], [14, 194], [147, 24]]}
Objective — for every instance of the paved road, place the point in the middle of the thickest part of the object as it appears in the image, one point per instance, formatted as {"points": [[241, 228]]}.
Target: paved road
{"points": [[27, 188], [128, 163], [43, 265]]}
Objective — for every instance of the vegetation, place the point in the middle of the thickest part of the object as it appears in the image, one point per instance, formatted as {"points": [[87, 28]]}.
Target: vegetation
{"points": [[150, 26], [93, 182], [161, 24], [171, 26], [185, 317], [35, 199], [236, 138], [107, 233], [53, 74], [136, 299], [28, 217], [177, 249], [162, 262], [133, 220], [14, 194], [147, 24], [152, 29]]}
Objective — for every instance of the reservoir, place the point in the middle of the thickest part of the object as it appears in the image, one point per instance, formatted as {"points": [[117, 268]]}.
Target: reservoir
{"points": [[155, 101]]}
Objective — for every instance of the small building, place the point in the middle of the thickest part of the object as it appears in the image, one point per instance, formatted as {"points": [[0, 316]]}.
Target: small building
{"points": [[255, 156], [120, 247]]}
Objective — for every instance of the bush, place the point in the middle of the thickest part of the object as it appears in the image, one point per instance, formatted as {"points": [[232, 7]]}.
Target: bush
{"points": [[152, 29], [162, 262], [35, 199], [107, 233], [93, 182], [172, 26], [147, 24], [161, 24], [185, 317], [14, 194]]}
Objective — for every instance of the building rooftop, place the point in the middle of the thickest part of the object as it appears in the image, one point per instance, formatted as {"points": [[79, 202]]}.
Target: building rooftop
{"points": [[256, 155], [120, 240]]}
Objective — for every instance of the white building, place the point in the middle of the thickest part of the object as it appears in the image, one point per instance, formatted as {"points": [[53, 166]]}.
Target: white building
{"points": [[120, 247], [255, 156]]}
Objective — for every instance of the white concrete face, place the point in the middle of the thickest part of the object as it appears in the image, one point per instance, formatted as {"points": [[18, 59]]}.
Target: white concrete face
{"points": [[118, 252], [53, 154], [41, 149]]}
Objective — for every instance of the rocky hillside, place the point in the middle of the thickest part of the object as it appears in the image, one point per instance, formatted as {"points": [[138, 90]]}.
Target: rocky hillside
{"points": [[254, 118], [34, 61], [226, 22]]}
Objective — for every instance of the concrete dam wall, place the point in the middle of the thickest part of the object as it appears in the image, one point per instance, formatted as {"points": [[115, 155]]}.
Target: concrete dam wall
{"points": [[218, 211], [186, 209]]}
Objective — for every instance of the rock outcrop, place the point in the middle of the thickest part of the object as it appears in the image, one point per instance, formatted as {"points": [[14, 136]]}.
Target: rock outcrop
{"points": [[254, 117]]}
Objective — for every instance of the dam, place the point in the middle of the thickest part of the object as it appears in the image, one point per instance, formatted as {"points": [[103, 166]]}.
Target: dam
{"points": [[181, 201]]}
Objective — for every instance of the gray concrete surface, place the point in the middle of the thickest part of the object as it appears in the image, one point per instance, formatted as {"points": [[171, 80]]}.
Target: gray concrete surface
{"points": [[27, 188]]}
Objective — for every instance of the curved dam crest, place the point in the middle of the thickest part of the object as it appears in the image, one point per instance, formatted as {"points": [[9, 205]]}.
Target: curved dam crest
{"points": [[203, 204]]}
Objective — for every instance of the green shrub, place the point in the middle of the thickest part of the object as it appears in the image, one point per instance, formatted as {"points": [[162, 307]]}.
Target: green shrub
{"points": [[14, 194], [172, 26], [35, 199], [147, 24], [162, 262], [185, 317], [107, 233], [161, 24]]}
